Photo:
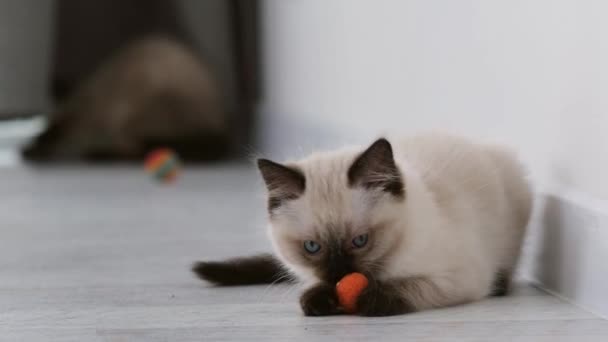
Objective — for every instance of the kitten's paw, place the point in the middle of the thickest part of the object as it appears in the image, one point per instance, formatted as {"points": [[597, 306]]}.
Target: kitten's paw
{"points": [[382, 300], [320, 300]]}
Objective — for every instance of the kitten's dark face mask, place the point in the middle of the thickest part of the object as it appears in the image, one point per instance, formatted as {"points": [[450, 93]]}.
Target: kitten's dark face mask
{"points": [[338, 256], [338, 248]]}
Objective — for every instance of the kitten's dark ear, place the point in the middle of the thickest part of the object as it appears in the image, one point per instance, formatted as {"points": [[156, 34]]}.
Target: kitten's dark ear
{"points": [[376, 168], [284, 183]]}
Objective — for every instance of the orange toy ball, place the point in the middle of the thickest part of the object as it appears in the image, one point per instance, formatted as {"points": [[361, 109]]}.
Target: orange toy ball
{"points": [[162, 164], [349, 288]]}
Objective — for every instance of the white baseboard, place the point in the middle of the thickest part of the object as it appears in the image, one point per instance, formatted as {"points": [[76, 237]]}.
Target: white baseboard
{"points": [[15, 133], [567, 251]]}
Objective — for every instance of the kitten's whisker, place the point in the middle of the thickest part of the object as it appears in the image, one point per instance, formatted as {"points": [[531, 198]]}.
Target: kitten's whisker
{"points": [[282, 276], [289, 291]]}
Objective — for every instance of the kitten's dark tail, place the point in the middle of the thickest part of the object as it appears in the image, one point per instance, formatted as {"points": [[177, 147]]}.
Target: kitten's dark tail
{"points": [[259, 269]]}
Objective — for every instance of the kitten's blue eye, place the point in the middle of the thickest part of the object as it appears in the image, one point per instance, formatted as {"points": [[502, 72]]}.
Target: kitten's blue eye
{"points": [[311, 247], [360, 241]]}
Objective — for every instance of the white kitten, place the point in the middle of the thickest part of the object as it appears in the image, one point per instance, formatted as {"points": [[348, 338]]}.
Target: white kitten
{"points": [[432, 221]]}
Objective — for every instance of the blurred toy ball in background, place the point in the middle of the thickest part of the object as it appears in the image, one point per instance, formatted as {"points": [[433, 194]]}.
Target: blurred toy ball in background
{"points": [[162, 164]]}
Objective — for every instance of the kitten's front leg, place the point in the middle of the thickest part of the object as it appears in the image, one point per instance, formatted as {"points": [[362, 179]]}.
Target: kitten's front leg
{"points": [[320, 300], [397, 297]]}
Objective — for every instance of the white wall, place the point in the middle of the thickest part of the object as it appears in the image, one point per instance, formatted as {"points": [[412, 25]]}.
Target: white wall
{"points": [[532, 74]]}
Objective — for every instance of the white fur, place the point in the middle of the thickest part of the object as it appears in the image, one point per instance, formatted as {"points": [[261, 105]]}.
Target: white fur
{"points": [[462, 221]]}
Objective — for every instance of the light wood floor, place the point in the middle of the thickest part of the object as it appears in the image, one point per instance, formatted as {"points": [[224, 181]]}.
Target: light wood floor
{"points": [[104, 255]]}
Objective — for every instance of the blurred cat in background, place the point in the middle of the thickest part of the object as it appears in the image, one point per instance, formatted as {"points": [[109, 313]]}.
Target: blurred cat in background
{"points": [[155, 92]]}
